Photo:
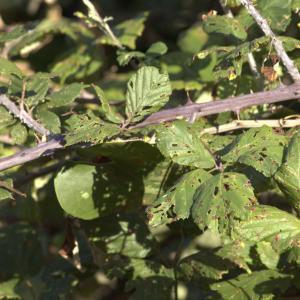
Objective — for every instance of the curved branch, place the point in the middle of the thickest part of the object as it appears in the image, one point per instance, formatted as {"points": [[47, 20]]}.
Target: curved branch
{"points": [[197, 110]]}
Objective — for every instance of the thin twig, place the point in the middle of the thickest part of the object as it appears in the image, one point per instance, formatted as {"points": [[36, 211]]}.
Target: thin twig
{"points": [[6, 186], [202, 109], [263, 24], [23, 116], [240, 124]]}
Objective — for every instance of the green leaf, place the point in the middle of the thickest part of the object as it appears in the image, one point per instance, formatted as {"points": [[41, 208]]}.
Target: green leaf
{"points": [[66, 95], [288, 175], [277, 12], [192, 39], [222, 199], [88, 128], [124, 234], [87, 192], [150, 280], [268, 256], [8, 289], [203, 264], [259, 148], [176, 203], [238, 252], [36, 89], [124, 57], [4, 193], [19, 134], [7, 67], [225, 25], [128, 31], [49, 119], [181, 144], [147, 92], [15, 33], [269, 224], [110, 114], [157, 49], [5, 118], [257, 285]]}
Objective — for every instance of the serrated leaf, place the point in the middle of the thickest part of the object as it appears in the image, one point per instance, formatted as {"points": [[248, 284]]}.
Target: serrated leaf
{"points": [[175, 204], [257, 285], [237, 252], [110, 114], [7, 67], [157, 49], [259, 148], [49, 119], [19, 134], [66, 95], [96, 195], [205, 264], [288, 175], [270, 224], [225, 25], [5, 118], [86, 128], [268, 256], [222, 199], [128, 31], [181, 144], [147, 92]]}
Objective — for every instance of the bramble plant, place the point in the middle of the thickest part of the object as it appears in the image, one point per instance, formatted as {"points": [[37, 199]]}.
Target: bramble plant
{"points": [[152, 154]]}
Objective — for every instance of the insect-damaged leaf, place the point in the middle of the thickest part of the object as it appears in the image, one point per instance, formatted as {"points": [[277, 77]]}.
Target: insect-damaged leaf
{"points": [[222, 199], [177, 200], [180, 143]]}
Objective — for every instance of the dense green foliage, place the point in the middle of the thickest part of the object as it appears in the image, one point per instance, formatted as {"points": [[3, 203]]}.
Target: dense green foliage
{"points": [[158, 212]]}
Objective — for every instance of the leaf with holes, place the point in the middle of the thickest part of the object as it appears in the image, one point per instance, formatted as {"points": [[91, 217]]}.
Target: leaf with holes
{"points": [[175, 204], [147, 92], [259, 148], [222, 199], [181, 144]]}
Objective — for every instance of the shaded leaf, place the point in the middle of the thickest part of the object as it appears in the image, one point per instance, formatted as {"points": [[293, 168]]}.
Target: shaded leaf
{"points": [[110, 113], [65, 96], [175, 204], [225, 25], [7, 67], [19, 134], [157, 49], [257, 285], [49, 119], [268, 256]]}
